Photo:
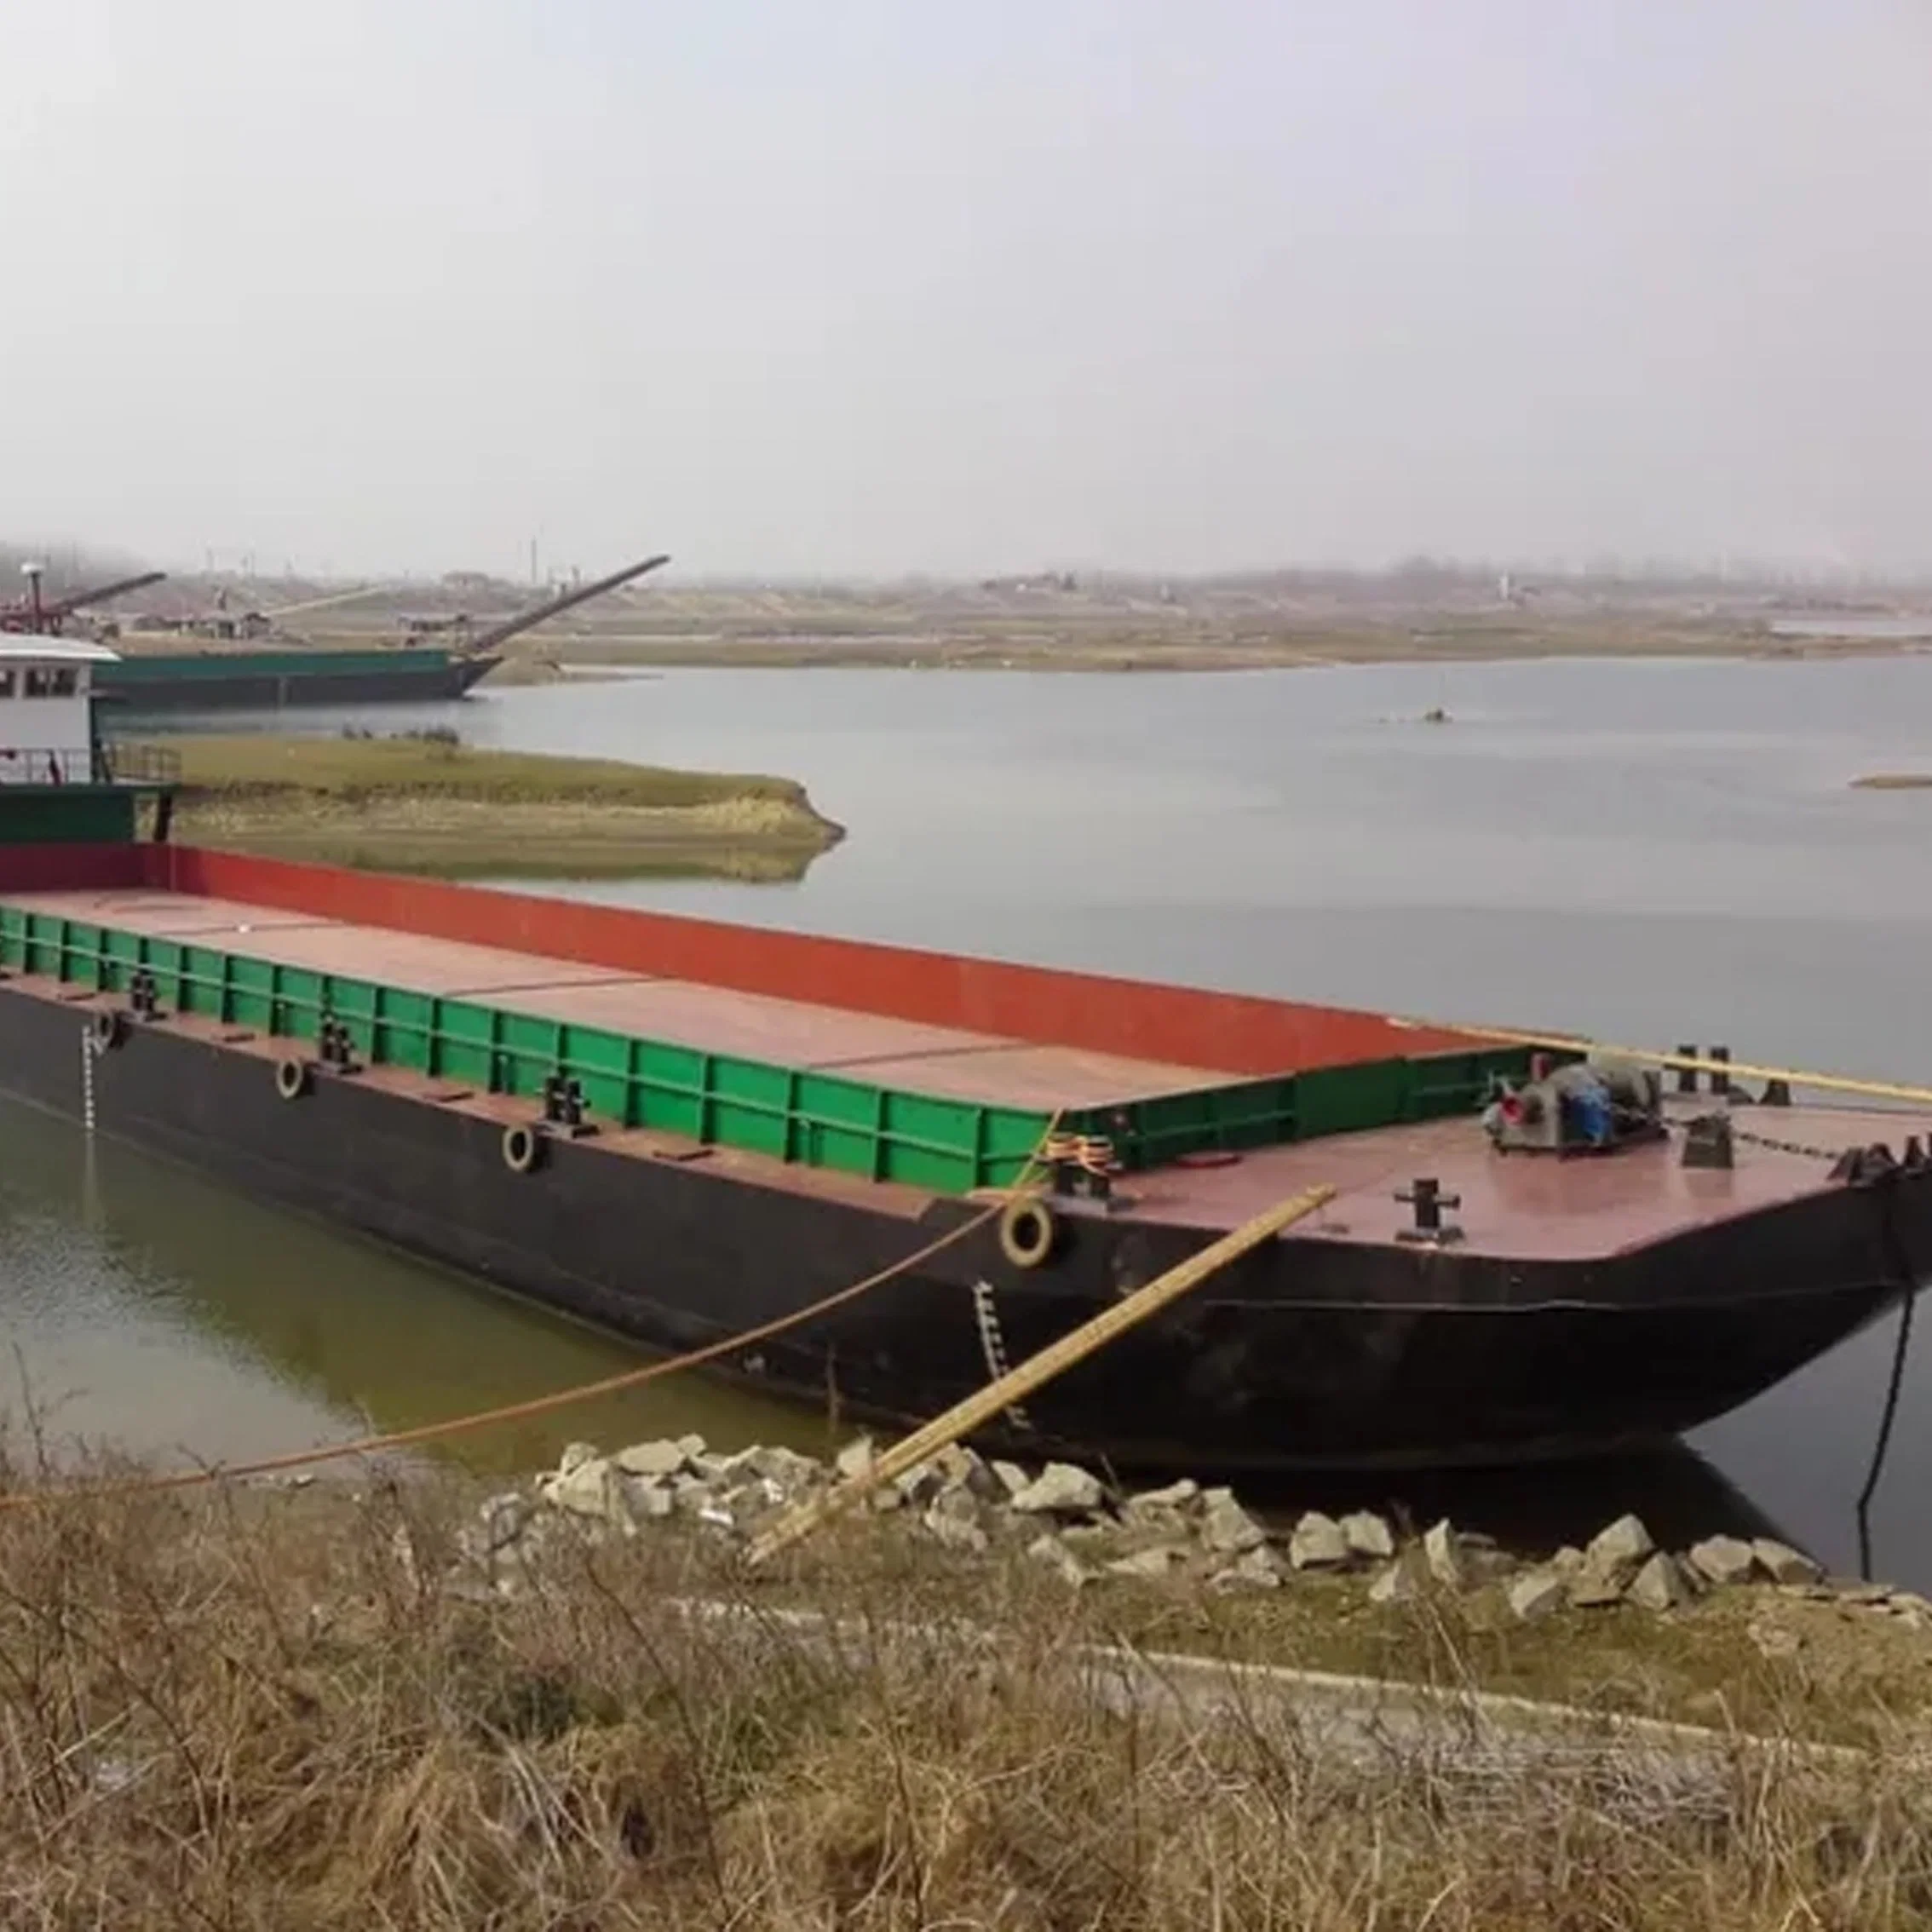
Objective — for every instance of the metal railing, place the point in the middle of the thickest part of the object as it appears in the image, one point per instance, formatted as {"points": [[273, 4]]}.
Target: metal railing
{"points": [[106, 763], [120, 763]]}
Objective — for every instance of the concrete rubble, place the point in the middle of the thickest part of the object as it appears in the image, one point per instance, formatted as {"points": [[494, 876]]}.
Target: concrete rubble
{"points": [[1088, 1531]]}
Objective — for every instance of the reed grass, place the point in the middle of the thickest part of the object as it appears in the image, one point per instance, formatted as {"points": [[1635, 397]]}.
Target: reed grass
{"points": [[250, 1710]]}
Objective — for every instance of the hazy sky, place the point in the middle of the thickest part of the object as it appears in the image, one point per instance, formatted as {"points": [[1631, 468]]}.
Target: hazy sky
{"points": [[861, 286]]}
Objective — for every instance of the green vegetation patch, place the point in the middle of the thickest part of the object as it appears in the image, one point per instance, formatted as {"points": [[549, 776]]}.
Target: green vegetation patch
{"points": [[423, 765]]}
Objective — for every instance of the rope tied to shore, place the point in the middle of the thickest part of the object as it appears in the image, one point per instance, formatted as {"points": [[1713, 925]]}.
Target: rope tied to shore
{"points": [[548, 1404]]}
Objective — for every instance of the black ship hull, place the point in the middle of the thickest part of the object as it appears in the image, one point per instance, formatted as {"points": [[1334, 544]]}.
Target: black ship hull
{"points": [[1308, 1353], [314, 682]]}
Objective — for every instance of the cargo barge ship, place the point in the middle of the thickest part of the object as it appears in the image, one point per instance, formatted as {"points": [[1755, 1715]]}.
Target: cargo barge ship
{"points": [[272, 680], [679, 1129], [227, 676]]}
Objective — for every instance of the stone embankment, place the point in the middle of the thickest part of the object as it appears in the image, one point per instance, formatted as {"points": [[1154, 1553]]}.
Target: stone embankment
{"points": [[1067, 1518]]}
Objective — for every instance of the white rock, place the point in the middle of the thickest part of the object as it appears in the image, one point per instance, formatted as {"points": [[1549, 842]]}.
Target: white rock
{"points": [[749, 1502], [586, 1488], [689, 1492], [1783, 1564], [1869, 1596], [692, 1446], [1367, 1535], [1012, 1478], [953, 1530], [954, 1505], [575, 1455], [1535, 1594], [1060, 1489], [1155, 1562], [1723, 1559], [1095, 1539], [1592, 1589], [1617, 1551], [651, 1459], [1050, 1550], [1228, 1529], [1317, 1543], [1443, 1555], [921, 1483], [647, 1501], [1660, 1584], [855, 1458], [957, 1501], [786, 1469], [964, 1469], [1399, 1582], [1175, 1496], [1259, 1569]]}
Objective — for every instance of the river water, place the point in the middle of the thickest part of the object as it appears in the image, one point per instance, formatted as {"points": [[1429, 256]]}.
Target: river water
{"points": [[1652, 852]]}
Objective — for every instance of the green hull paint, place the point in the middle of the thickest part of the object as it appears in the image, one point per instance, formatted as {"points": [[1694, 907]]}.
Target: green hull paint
{"points": [[74, 814], [817, 1119], [210, 666]]}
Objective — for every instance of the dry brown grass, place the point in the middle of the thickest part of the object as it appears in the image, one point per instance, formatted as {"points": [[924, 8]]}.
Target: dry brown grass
{"points": [[255, 1711]]}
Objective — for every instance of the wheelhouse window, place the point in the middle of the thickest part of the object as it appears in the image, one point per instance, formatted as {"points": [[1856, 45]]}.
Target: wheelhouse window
{"points": [[7, 683], [50, 681]]}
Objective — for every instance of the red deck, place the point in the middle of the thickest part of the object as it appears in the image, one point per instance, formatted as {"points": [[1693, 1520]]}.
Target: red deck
{"points": [[946, 1062], [1231, 1034], [1526, 1206]]}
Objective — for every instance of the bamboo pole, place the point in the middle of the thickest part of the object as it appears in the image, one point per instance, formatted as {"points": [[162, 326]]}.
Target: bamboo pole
{"points": [[1692, 1062], [1016, 1384]]}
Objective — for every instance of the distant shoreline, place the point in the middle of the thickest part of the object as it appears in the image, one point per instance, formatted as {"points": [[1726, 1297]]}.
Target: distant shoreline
{"points": [[581, 659]]}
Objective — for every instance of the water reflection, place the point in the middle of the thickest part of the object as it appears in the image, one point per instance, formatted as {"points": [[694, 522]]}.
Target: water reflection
{"points": [[1534, 1511], [159, 1311]]}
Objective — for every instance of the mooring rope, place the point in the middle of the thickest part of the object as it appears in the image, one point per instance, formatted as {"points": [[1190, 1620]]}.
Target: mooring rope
{"points": [[1895, 1383], [557, 1398]]}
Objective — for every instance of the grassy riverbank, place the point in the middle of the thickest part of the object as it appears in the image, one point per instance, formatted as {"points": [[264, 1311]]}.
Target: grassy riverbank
{"points": [[1203, 628], [423, 804], [1073, 639], [1124, 648], [299, 1709]]}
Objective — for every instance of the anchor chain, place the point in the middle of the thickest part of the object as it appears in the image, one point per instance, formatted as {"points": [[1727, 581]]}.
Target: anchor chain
{"points": [[1775, 1145]]}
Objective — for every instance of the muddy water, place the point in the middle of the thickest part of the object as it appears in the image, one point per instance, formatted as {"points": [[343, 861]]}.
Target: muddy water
{"points": [[149, 1308], [1654, 852]]}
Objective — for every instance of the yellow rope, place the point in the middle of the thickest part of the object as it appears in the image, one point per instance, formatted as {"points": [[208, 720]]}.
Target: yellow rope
{"points": [[558, 1398]]}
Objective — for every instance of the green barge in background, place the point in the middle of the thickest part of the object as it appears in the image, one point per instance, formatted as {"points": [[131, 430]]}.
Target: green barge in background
{"points": [[227, 676]]}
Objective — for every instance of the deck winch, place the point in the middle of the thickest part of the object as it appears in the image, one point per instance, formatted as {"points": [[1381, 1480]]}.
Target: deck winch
{"points": [[1585, 1106]]}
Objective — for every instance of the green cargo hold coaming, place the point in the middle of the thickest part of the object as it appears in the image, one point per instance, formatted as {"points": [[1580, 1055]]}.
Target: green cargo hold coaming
{"points": [[947, 1146]]}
